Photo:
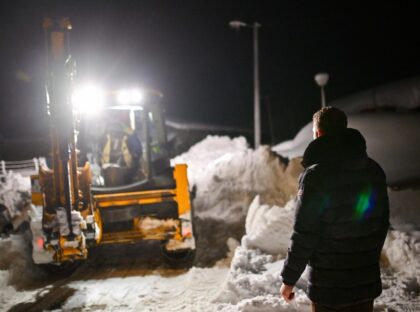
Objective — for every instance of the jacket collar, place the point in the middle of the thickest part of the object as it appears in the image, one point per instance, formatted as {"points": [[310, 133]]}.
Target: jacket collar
{"points": [[342, 147]]}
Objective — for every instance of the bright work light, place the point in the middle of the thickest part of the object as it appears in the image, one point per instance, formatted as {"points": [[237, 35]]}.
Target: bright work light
{"points": [[127, 97], [88, 99]]}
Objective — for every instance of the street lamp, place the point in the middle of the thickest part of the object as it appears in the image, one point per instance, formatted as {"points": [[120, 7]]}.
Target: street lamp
{"points": [[322, 80], [257, 119]]}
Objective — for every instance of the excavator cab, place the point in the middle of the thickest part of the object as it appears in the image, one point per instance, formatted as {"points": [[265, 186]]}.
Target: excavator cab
{"points": [[126, 144]]}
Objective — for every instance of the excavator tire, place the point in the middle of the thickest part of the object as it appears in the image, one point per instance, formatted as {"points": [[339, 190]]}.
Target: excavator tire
{"points": [[180, 258], [59, 270]]}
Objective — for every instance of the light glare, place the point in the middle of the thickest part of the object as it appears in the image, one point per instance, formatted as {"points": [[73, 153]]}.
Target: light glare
{"points": [[126, 97], [88, 99], [136, 96]]}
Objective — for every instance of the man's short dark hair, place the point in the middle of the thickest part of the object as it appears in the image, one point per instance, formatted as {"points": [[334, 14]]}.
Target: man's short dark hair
{"points": [[330, 119]]}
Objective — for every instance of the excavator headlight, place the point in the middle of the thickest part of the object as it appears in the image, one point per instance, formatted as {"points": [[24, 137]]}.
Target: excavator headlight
{"points": [[127, 97], [88, 99]]}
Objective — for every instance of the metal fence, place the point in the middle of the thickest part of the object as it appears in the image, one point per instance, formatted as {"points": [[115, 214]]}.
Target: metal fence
{"points": [[24, 167]]}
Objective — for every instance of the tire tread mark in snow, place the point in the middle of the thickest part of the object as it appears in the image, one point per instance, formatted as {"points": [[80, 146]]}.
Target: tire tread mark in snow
{"points": [[53, 299]]}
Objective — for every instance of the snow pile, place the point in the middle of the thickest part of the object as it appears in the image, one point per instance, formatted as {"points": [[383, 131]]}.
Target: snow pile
{"points": [[14, 252], [401, 278], [15, 197], [401, 251], [254, 283], [269, 228], [211, 148], [228, 175], [241, 283], [254, 280]]}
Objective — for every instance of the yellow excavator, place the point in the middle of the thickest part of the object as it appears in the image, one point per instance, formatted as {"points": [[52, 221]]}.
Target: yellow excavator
{"points": [[127, 191]]}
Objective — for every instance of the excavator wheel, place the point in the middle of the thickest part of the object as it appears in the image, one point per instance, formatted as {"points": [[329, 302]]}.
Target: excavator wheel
{"points": [[179, 258], [59, 270]]}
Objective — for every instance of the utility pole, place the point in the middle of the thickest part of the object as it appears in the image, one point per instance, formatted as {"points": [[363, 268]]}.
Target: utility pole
{"points": [[257, 106]]}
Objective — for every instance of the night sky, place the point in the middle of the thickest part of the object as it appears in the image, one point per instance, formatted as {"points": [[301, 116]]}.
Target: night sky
{"points": [[187, 50]]}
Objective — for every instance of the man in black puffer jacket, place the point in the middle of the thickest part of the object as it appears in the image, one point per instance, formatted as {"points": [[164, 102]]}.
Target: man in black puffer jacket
{"points": [[342, 218]]}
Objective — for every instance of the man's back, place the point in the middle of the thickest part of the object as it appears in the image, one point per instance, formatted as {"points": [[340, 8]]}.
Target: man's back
{"points": [[341, 221]]}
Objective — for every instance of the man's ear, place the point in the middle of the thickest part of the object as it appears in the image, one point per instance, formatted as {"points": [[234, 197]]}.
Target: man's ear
{"points": [[319, 133]]}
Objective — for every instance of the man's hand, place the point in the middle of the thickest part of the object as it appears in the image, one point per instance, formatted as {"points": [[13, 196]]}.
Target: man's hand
{"points": [[286, 292]]}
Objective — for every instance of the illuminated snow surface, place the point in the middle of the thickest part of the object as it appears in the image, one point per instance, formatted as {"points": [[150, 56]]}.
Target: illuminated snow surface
{"points": [[228, 177]]}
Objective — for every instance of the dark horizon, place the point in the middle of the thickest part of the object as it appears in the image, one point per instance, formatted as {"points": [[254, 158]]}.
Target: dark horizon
{"points": [[202, 66]]}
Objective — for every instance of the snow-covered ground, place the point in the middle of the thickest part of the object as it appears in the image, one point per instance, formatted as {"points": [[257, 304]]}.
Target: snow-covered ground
{"points": [[190, 291], [244, 210]]}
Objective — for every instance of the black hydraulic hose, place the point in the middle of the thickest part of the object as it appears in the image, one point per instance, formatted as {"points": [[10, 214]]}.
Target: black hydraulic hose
{"points": [[67, 196], [136, 186]]}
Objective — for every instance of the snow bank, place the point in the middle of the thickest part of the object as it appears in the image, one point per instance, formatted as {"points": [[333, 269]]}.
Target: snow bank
{"points": [[228, 175], [242, 283], [402, 252], [275, 223], [400, 274], [15, 249], [254, 282], [14, 191], [15, 197]]}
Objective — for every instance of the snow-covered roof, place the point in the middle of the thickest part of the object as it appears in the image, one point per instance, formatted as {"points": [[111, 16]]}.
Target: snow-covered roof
{"points": [[401, 95], [391, 138], [201, 126]]}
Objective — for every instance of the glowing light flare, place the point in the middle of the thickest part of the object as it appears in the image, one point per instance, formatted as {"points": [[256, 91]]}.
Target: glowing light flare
{"points": [[88, 99], [127, 97], [136, 96], [186, 230], [40, 242], [366, 201]]}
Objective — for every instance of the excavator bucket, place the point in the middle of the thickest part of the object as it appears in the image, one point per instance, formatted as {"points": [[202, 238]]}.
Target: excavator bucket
{"points": [[162, 214]]}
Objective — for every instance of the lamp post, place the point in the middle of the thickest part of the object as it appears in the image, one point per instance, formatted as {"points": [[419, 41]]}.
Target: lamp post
{"points": [[257, 115], [322, 79]]}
